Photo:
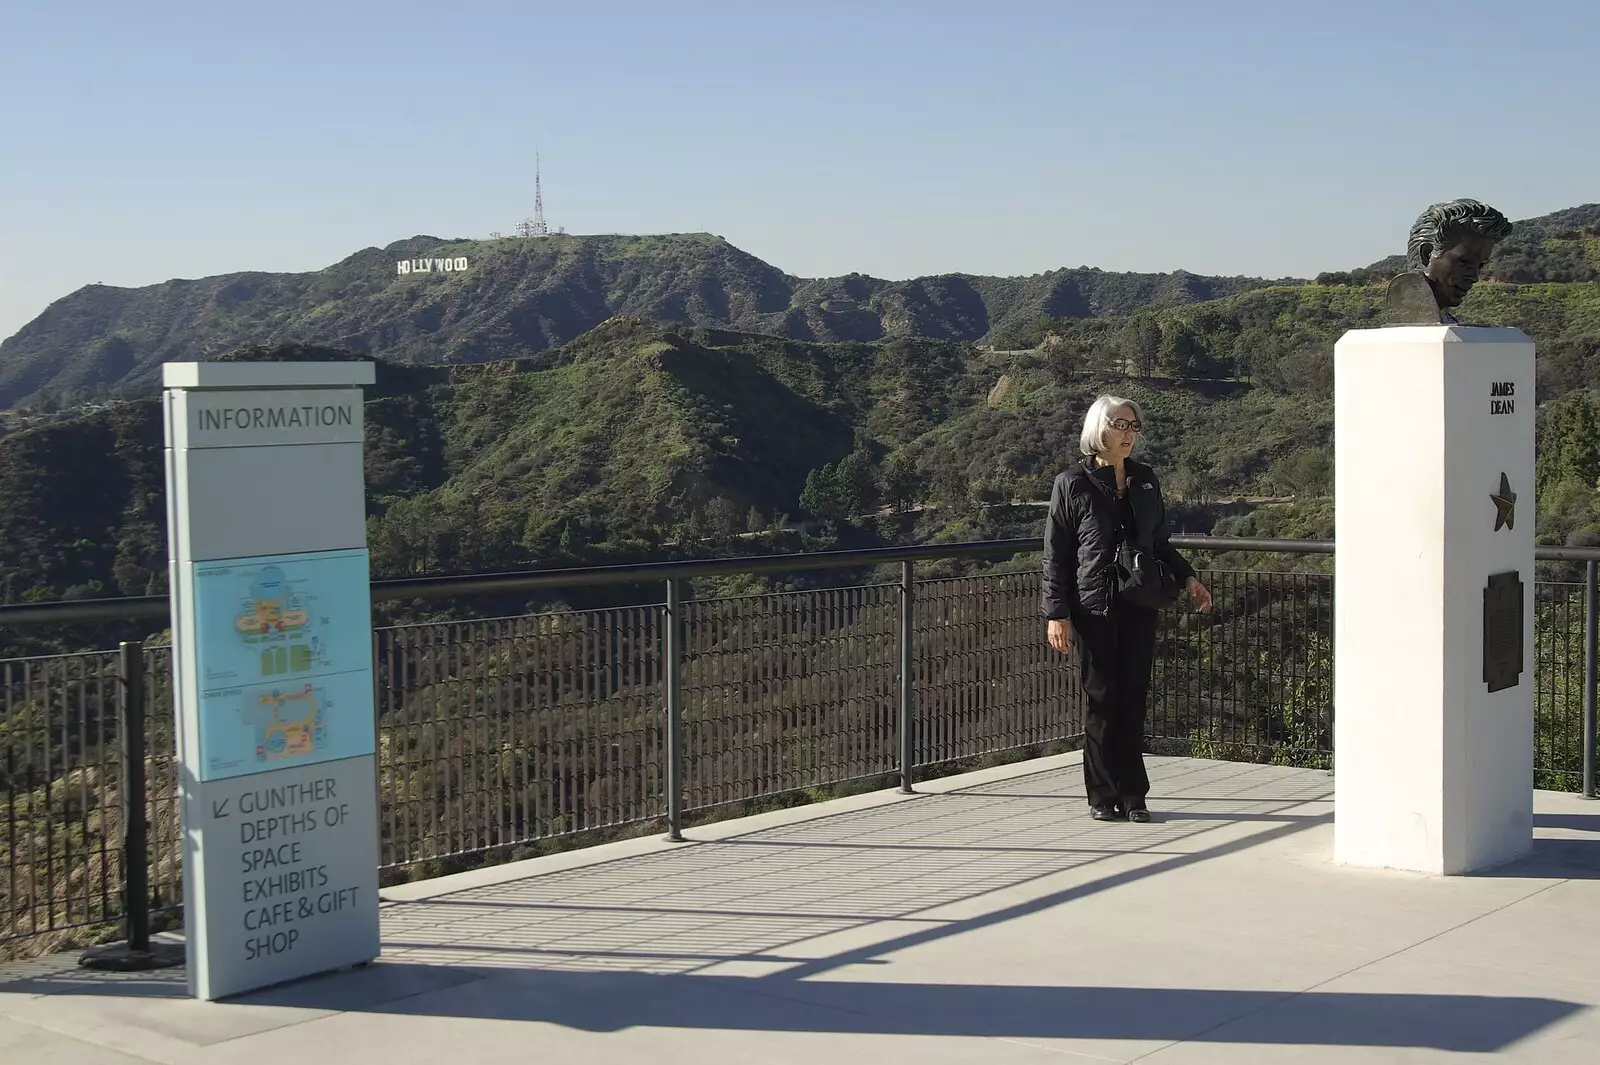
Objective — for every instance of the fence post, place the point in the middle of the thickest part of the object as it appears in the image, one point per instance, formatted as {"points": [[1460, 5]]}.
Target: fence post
{"points": [[674, 670], [1590, 592], [135, 838], [135, 954], [907, 685]]}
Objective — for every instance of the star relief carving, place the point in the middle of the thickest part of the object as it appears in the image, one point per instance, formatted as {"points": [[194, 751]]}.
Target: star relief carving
{"points": [[1505, 506]]}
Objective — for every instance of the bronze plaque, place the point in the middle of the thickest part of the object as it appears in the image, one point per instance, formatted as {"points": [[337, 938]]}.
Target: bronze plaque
{"points": [[1502, 631]]}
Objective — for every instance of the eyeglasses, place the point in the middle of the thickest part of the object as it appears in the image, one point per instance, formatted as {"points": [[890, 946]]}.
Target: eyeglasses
{"points": [[1123, 425]]}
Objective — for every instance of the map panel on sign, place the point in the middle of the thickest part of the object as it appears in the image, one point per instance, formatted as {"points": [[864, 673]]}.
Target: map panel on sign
{"points": [[284, 654]]}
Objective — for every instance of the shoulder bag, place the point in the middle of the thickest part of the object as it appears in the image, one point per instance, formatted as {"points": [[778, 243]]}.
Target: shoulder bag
{"points": [[1143, 579]]}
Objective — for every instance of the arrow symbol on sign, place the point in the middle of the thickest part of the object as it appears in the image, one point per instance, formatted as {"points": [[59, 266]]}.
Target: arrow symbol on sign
{"points": [[219, 809]]}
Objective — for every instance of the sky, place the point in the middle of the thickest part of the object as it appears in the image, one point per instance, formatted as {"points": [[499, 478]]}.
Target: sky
{"points": [[141, 142]]}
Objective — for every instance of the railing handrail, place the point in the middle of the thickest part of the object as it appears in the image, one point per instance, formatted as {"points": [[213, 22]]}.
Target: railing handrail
{"points": [[153, 606], [158, 606]]}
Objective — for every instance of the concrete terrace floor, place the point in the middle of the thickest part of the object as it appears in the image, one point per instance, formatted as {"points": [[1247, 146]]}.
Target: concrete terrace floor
{"points": [[986, 919]]}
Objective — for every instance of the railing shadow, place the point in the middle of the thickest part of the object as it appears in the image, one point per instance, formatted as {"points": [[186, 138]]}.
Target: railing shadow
{"points": [[755, 895], [769, 890]]}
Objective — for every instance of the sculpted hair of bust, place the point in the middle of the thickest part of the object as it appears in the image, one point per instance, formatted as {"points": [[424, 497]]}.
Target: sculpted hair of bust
{"points": [[1450, 243], [1449, 246]]}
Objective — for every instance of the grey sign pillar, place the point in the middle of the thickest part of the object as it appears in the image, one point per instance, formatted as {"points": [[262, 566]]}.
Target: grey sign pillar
{"points": [[272, 669]]}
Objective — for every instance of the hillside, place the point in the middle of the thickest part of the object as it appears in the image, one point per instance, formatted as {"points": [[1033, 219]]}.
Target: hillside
{"points": [[1560, 246], [642, 438], [633, 435], [522, 296], [1282, 336]]}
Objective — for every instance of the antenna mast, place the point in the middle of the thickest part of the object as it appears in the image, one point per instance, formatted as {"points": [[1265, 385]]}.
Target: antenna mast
{"points": [[535, 227], [538, 201]]}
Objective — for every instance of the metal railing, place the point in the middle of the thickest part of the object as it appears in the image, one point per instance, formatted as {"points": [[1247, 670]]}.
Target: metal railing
{"points": [[496, 735]]}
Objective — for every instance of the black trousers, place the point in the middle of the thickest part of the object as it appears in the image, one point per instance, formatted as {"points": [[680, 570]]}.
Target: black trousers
{"points": [[1115, 653]]}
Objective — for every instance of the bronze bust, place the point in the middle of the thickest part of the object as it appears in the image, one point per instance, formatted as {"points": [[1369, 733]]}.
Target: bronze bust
{"points": [[1449, 245]]}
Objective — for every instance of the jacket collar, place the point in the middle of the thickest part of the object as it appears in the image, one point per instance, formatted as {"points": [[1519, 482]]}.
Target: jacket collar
{"points": [[1107, 475]]}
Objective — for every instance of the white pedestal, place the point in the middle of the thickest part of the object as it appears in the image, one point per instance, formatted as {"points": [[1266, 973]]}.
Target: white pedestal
{"points": [[1433, 771], [272, 667]]}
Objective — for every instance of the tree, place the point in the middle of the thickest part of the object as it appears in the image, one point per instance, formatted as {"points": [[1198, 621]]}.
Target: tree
{"points": [[1140, 341], [953, 492], [409, 538], [1192, 481], [1064, 357], [692, 529], [853, 480], [1307, 368], [902, 483], [1256, 353], [723, 521], [821, 497], [1569, 444], [1307, 472], [1180, 352]]}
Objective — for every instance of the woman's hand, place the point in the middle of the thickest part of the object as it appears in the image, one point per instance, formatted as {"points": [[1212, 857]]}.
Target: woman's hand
{"points": [[1202, 597], [1060, 631]]}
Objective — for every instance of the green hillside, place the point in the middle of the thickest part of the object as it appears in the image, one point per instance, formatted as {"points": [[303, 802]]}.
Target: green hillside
{"points": [[643, 438], [522, 296], [1281, 336], [1561, 246]]}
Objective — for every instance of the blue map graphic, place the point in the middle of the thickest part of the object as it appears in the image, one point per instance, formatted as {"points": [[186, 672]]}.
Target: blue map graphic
{"points": [[284, 649]]}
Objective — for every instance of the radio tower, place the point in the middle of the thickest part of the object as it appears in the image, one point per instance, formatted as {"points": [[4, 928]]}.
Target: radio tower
{"points": [[535, 227]]}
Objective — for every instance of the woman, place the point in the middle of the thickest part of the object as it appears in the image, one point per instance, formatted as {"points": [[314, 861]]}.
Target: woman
{"points": [[1094, 507]]}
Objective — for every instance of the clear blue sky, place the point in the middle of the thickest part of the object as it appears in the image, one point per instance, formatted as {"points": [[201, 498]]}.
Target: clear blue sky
{"points": [[145, 141]]}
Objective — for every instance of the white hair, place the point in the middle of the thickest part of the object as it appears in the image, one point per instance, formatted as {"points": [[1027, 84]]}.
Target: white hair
{"points": [[1098, 420]]}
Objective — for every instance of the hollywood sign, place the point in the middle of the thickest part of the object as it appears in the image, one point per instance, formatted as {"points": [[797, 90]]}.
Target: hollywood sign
{"points": [[428, 266]]}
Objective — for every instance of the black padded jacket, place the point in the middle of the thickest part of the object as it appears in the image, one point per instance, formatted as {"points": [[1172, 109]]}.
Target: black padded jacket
{"points": [[1084, 527]]}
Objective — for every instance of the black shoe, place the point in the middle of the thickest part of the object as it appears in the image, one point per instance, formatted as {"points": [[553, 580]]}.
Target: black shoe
{"points": [[1137, 811], [1106, 812]]}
